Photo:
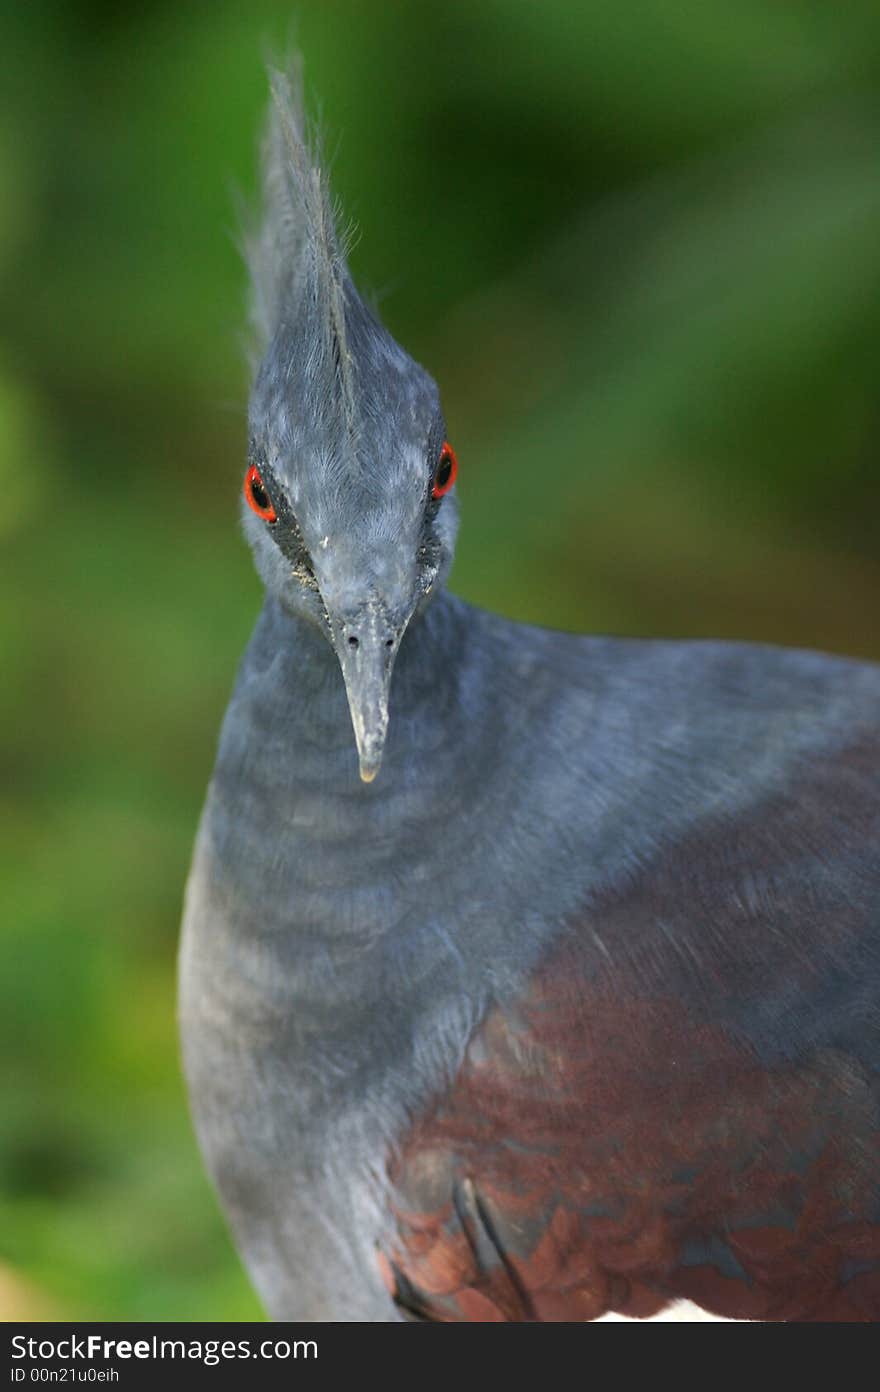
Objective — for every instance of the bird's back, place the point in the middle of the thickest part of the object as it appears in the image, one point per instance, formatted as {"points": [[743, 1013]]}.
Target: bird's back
{"points": [[683, 1098]]}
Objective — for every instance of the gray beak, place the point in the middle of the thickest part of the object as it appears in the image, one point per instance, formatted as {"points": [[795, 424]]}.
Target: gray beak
{"points": [[366, 643]]}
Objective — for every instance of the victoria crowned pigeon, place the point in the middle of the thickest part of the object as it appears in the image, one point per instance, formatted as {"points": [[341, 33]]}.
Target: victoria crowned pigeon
{"points": [[572, 1009]]}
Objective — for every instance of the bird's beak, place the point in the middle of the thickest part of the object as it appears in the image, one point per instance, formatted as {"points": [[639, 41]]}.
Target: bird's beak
{"points": [[366, 644]]}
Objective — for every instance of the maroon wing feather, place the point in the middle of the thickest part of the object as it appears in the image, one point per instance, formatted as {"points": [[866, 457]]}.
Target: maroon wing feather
{"points": [[625, 1134]]}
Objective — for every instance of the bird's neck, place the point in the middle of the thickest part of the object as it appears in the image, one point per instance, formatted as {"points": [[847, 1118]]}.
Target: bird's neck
{"points": [[291, 666], [288, 808]]}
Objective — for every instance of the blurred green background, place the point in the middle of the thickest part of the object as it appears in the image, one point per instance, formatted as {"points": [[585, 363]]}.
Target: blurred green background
{"points": [[639, 247]]}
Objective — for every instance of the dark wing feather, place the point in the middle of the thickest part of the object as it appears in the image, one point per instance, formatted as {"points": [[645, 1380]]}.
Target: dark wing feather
{"points": [[695, 1113]]}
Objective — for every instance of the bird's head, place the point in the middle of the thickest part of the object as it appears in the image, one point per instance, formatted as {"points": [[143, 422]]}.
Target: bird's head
{"points": [[348, 491]]}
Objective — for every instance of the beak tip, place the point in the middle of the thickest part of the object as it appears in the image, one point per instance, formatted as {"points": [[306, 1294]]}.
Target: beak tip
{"points": [[368, 772]]}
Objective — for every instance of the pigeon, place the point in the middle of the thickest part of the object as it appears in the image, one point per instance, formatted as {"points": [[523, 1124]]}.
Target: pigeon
{"points": [[524, 975]]}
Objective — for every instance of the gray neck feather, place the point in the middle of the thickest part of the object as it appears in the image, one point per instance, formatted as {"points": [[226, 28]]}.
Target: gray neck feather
{"points": [[331, 864]]}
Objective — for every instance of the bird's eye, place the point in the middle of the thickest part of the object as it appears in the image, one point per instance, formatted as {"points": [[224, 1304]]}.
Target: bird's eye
{"points": [[446, 471], [257, 495]]}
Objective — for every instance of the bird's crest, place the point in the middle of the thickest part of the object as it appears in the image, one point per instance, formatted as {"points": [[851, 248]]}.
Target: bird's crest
{"points": [[300, 281]]}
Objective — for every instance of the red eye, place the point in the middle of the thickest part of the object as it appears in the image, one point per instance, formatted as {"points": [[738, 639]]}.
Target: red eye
{"points": [[257, 495], [447, 471]]}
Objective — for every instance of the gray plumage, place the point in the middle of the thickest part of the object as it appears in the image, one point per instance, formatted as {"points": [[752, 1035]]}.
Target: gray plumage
{"points": [[345, 939]]}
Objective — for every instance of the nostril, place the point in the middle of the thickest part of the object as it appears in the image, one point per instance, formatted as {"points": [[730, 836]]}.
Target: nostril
{"points": [[353, 642], [389, 642]]}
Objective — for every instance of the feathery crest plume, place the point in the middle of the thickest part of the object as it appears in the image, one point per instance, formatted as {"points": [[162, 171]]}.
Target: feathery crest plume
{"points": [[300, 284]]}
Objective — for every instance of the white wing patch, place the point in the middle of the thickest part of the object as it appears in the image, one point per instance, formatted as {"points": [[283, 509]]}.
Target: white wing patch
{"points": [[681, 1312]]}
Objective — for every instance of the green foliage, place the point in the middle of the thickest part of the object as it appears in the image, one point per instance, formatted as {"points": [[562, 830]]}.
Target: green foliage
{"points": [[637, 245]]}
